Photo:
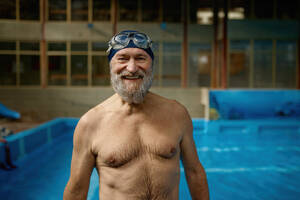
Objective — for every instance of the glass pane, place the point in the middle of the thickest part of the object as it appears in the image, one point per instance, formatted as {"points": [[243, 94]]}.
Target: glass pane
{"points": [[8, 70], [7, 9], [57, 74], [200, 12], [264, 9], [57, 10], [287, 9], [172, 11], [55, 46], [128, 10], [262, 72], [79, 70], [101, 10], [172, 48], [286, 63], [99, 46], [101, 74], [80, 10], [171, 75], [150, 11], [239, 63], [79, 46], [7, 45], [29, 70], [32, 46], [171, 72], [29, 9], [199, 65]]}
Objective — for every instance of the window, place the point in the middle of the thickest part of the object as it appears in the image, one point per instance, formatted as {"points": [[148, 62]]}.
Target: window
{"points": [[79, 46], [57, 46], [57, 10], [57, 70], [99, 46], [262, 77], [286, 59], [57, 63], [128, 10], [30, 70], [30, 46], [7, 9], [199, 65], [101, 73], [171, 71], [101, 10], [201, 12], [264, 9], [239, 63], [79, 70], [172, 11], [79, 63], [287, 9], [8, 69], [150, 11], [30, 9], [79, 10], [7, 45]]}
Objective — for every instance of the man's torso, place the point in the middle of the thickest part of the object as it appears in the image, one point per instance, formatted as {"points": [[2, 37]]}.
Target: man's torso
{"points": [[137, 155]]}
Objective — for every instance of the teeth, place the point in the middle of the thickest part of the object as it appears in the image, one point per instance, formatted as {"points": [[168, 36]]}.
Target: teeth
{"points": [[131, 77]]}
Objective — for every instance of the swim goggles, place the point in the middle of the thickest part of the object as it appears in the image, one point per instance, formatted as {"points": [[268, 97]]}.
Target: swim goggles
{"points": [[122, 40]]}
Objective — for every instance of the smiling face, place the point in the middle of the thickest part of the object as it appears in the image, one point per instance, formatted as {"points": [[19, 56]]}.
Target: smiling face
{"points": [[131, 74]]}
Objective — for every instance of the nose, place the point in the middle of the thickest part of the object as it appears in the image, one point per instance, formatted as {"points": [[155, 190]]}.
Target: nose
{"points": [[131, 66]]}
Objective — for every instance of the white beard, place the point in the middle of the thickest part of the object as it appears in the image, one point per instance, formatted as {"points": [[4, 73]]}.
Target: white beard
{"points": [[135, 92]]}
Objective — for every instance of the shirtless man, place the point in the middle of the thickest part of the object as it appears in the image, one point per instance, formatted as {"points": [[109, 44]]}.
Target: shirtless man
{"points": [[135, 138]]}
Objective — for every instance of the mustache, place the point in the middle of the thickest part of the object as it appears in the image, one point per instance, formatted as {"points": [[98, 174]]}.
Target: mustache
{"points": [[140, 73]]}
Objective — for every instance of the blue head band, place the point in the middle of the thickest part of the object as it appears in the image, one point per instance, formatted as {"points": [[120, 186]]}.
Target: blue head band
{"points": [[131, 44]]}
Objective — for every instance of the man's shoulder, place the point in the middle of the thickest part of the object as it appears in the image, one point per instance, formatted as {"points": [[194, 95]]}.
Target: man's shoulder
{"points": [[94, 116], [171, 106]]}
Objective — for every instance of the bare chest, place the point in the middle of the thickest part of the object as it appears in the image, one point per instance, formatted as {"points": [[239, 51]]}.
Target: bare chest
{"points": [[123, 143]]}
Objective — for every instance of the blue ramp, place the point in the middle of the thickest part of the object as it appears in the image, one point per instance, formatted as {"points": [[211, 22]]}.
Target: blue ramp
{"points": [[6, 112]]}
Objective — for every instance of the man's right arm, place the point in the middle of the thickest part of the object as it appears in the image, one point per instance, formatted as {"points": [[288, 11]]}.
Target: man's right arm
{"points": [[83, 162]]}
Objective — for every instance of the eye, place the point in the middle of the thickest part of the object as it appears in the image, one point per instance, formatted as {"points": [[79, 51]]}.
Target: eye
{"points": [[122, 58], [141, 58]]}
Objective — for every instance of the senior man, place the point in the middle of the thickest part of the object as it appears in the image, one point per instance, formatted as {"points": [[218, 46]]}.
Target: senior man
{"points": [[135, 138]]}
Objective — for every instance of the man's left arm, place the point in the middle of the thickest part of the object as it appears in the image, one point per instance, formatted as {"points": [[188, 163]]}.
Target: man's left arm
{"points": [[194, 171]]}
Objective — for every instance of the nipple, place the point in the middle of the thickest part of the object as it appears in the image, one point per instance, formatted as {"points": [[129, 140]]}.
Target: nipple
{"points": [[111, 161], [173, 150]]}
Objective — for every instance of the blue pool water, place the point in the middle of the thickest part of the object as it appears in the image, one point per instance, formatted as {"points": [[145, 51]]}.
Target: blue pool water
{"points": [[240, 164]]}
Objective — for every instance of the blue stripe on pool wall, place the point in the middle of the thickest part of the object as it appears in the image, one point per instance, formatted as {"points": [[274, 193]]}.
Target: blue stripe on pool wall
{"points": [[29, 140]]}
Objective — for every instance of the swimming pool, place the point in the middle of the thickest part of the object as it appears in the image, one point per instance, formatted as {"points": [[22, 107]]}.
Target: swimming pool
{"points": [[242, 159]]}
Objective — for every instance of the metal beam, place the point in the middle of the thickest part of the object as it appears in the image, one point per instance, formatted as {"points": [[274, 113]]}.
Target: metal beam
{"points": [[114, 15], [213, 82], [43, 61], [224, 56], [184, 62]]}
